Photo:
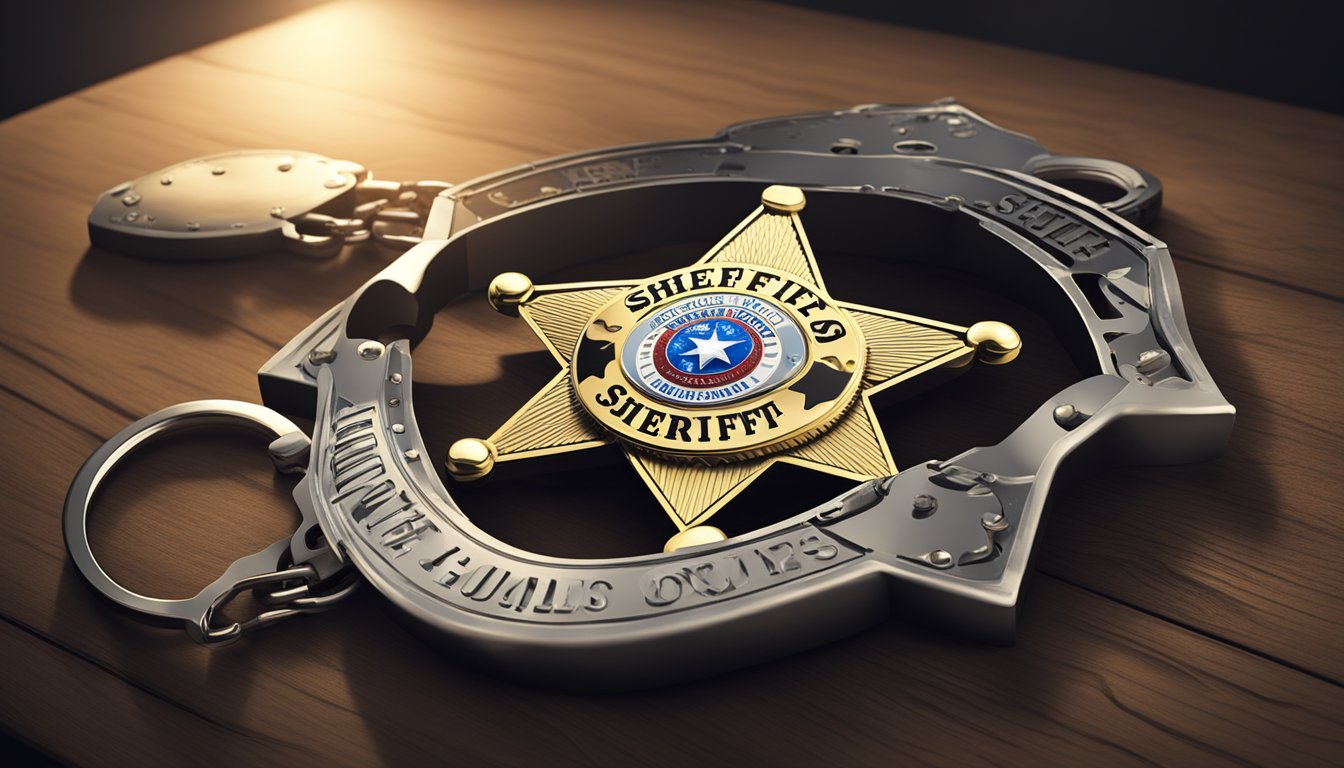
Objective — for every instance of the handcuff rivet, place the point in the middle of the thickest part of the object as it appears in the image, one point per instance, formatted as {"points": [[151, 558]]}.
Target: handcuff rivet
{"points": [[412, 455], [217, 171], [398, 428], [1066, 415], [394, 402], [994, 521], [321, 356], [395, 378], [131, 198], [371, 350], [166, 180], [1151, 361], [940, 558], [924, 505], [192, 226], [278, 212]]}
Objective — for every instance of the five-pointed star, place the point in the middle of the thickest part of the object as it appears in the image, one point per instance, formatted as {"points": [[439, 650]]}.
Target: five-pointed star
{"points": [[710, 349], [899, 347]]}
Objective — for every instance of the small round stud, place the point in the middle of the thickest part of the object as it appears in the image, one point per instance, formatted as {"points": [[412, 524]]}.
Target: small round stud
{"points": [[994, 521], [1066, 416], [940, 558], [370, 350], [923, 506], [321, 356], [694, 537], [509, 291], [995, 343], [470, 459], [782, 199]]}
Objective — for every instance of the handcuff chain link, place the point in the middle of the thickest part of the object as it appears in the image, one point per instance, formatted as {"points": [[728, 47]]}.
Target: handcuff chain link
{"points": [[391, 213], [282, 598]]}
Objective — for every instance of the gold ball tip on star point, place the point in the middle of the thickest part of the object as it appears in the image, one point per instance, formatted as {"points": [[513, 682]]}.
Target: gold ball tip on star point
{"points": [[509, 291], [782, 199], [694, 537], [995, 343], [471, 459]]}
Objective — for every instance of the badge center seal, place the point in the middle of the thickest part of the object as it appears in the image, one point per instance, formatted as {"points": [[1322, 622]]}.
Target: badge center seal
{"points": [[708, 375], [718, 363]]}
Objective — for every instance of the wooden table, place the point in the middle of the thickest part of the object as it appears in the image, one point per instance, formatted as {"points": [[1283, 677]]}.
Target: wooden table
{"points": [[1184, 615]]}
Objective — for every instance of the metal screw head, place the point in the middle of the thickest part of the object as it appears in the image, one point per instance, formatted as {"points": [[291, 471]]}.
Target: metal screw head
{"points": [[371, 350], [924, 505], [940, 558], [1065, 415], [321, 356], [394, 402], [395, 378], [994, 521], [1151, 361]]}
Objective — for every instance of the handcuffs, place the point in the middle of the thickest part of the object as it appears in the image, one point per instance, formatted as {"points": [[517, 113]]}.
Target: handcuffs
{"points": [[373, 505]]}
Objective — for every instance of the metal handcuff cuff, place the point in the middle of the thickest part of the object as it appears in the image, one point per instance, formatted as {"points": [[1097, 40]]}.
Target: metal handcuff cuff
{"points": [[860, 180]]}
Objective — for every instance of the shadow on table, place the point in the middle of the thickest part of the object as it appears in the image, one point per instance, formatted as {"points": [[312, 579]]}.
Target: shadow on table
{"points": [[204, 298], [1140, 533]]}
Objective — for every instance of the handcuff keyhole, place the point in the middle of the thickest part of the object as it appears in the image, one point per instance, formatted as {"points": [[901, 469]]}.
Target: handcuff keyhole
{"points": [[915, 147], [314, 539]]}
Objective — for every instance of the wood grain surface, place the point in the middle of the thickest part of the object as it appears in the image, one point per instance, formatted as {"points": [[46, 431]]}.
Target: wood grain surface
{"points": [[1179, 615]]}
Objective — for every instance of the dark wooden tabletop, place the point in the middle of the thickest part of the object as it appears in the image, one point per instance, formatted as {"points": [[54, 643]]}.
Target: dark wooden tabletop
{"points": [[1179, 615]]}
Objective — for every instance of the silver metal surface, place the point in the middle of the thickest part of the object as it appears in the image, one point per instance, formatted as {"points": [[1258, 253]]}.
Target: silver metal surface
{"points": [[288, 564], [874, 176], [241, 203]]}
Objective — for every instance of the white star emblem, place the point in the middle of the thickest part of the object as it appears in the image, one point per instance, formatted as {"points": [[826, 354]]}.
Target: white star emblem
{"points": [[711, 349]]}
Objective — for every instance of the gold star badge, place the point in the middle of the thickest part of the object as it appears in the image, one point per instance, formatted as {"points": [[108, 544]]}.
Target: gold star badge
{"points": [[709, 375]]}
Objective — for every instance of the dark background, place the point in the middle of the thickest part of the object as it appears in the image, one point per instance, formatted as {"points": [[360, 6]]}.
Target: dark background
{"points": [[1284, 51]]}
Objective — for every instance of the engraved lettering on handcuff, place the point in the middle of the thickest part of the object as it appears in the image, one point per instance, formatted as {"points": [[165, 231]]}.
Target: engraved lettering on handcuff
{"points": [[1066, 232]]}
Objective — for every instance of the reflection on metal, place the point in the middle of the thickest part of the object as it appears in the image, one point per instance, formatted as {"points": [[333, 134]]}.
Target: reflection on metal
{"points": [[946, 540], [241, 203]]}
